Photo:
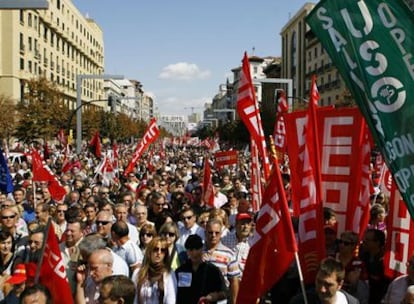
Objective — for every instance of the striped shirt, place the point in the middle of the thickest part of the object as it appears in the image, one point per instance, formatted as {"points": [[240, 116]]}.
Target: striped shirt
{"points": [[224, 258]]}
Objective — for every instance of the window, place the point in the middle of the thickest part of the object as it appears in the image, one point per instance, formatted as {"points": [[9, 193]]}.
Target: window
{"points": [[30, 44], [21, 17], [29, 19], [22, 64], [29, 65]]}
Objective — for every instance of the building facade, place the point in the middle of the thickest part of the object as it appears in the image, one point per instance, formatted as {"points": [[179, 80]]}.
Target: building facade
{"points": [[58, 43]]}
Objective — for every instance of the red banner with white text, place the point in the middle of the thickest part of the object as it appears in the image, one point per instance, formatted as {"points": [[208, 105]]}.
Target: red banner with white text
{"points": [[341, 136], [224, 158], [400, 246], [151, 134]]}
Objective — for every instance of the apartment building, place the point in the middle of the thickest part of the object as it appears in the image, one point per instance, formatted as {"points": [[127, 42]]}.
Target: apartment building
{"points": [[58, 43]]}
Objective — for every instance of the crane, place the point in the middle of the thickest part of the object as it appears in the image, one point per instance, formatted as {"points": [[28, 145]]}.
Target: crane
{"points": [[192, 109]]}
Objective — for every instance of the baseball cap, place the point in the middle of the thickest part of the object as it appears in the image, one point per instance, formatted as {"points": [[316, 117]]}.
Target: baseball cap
{"points": [[19, 275], [193, 241], [243, 216]]}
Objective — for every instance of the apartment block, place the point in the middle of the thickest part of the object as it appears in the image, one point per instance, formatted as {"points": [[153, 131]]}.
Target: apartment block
{"points": [[58, 43]]}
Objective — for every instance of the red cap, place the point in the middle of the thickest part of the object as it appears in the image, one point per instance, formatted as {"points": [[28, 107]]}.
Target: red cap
{"points": [[243, 216], [19, 275]]}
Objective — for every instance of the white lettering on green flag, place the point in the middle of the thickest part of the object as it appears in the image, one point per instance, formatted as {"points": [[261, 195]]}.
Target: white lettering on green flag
{"points": [[372, 43]]}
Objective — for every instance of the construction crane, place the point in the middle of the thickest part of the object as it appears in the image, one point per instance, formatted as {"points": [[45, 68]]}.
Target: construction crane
{"points": [[192, 109]]}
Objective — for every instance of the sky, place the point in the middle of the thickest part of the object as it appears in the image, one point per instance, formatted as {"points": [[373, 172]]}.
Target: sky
{"points": [[182, 50]]}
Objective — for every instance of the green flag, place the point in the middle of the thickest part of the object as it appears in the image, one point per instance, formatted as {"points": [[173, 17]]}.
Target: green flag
{"points": [[371, 43]]}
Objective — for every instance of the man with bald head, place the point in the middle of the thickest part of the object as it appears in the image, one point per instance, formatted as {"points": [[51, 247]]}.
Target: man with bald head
{"points": [[100, 266]]}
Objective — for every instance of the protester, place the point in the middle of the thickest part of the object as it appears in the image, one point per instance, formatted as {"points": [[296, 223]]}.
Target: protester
{"points": [[100, 266], [189, 226], [37, 293], [176, 253], [398, 287], [198, 281], [117, 289], [222, 257], [146, 234], [328, 283], [155, 282]]}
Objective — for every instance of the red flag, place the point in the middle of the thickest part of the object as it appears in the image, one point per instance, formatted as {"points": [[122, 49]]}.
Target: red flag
{"points": [[310, 230], [42, 173], [279, 133], [52, 271], [62, 138], [248, 111], [151, 134], [273, 246], [95, 145], [208, 194]]}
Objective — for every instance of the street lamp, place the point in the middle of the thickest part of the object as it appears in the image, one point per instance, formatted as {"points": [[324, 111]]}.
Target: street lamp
{"points": [[79, 79]]}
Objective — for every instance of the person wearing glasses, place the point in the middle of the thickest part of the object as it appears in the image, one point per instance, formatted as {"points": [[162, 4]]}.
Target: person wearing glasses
{"points": [[60, 219], [177, 256], [222, 257], [90, 276], [157, 205], [155, 282], [189, 226], [9, 218], [146, 234], [103, 224], [397, 289]]}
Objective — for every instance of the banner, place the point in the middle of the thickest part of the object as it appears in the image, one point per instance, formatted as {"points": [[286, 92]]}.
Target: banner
{"points": [[255, 177], [400, 246], [273, 245], [224, 158], [95, 145], [370, 42], [208, 194], [341, 135], [249, 113], [151, 134]]}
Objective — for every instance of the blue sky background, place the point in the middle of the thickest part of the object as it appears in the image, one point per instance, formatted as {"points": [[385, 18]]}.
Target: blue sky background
{"points": [[182, 50]]}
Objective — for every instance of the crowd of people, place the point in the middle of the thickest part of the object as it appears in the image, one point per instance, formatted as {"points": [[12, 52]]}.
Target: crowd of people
{"points": [[149, 237]]}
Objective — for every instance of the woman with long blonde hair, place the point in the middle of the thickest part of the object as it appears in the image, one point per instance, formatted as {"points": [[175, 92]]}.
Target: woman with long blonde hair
{"points": [[155, 281]]}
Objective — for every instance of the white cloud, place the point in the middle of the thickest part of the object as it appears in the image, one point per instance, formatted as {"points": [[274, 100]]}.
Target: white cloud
{"points": [[183, 71]]}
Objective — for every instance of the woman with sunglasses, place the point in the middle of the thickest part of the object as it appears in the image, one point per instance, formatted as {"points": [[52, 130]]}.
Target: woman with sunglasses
{"points": [[176, 253], [146, 234], [155, 281]]}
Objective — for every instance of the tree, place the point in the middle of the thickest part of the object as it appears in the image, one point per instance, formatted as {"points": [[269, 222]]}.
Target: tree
{"points": [[7, 117], [42, 112]]}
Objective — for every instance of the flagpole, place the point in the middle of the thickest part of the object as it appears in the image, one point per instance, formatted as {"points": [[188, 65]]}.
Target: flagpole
{"points": [[302, 283], [42, 250]]}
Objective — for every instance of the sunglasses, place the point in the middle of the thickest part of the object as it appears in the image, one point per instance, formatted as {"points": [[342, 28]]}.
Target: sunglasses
{"points": [[103, 223], [159, 249], [170, 234], [5, 217], [213, 232], [61, 211], [346, 243], [187, 217], [147, 234]]}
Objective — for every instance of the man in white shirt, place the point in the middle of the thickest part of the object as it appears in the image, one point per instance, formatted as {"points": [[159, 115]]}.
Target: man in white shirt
{"points": [[189, 226]]}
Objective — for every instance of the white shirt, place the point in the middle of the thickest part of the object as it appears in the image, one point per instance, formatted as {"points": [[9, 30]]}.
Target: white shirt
{"points": [[149, 293], [185, 233]]}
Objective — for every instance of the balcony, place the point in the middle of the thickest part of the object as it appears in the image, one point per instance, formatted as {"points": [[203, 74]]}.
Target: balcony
{"points": [[45, 62], [52, 65], [22, 48]]}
